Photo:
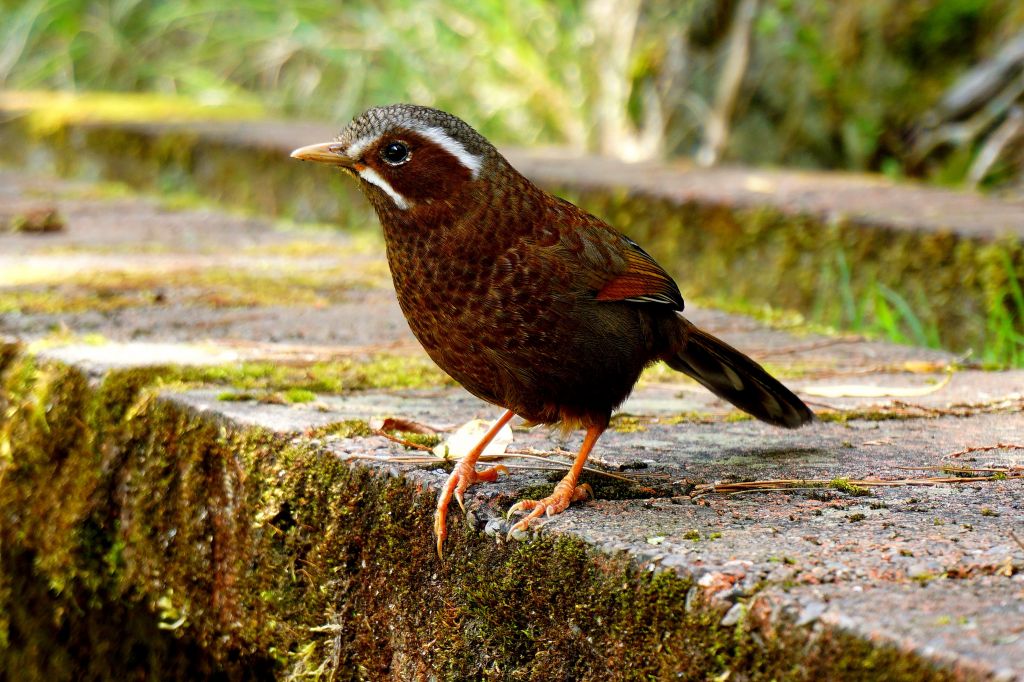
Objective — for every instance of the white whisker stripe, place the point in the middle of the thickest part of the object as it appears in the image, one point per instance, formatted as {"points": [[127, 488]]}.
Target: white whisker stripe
{"points": [[374, 178]]}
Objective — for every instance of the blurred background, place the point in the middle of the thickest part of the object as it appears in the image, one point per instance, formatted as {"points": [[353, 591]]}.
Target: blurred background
{"points": [[922, 88]]}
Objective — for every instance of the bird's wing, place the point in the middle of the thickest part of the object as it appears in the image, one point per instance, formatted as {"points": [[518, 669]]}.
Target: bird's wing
{"points": [[601, 260], [642, 281]]}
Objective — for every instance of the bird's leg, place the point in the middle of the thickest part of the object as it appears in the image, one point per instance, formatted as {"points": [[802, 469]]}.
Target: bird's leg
{"points": [[464, 475], [565, 492]]}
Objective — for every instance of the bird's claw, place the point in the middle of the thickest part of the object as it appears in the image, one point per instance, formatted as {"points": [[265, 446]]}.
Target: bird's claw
{"points": [[555, 503], [463, 476]]}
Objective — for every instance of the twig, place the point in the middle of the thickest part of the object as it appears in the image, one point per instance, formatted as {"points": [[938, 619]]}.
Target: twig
{"points": [[800, 483], [1011, 128], [1017, 539], [962, 470], [402, 441], [986, 448]]}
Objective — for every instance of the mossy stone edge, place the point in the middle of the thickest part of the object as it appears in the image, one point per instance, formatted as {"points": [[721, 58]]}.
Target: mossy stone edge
{"points": [[143, 538]]}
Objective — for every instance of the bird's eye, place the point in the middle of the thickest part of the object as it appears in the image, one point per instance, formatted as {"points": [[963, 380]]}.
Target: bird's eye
{"points": [[395, 153]]}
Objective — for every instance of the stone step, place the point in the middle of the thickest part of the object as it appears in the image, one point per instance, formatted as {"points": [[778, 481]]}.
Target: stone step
{"points": [[806, 241], [191, 483]]}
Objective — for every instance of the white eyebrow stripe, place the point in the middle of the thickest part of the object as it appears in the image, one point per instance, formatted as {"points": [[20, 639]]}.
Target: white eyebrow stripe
{"points": [[374, 178], [438, 136], [356, 148], [446, 142]]}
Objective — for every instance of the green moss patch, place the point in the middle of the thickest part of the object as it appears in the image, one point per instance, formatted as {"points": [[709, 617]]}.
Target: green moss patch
{"points": [[254, 379], [49, 112]]}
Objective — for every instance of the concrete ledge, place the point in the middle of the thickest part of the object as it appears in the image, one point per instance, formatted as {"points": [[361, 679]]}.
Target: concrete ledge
{"points": [[268, 553]]}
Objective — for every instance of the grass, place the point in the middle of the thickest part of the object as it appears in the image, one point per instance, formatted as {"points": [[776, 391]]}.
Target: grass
{"points": [[877, 310], [883, 312]]}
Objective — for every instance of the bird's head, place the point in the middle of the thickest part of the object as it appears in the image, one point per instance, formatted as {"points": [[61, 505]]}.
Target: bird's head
{"points": [[408, 157]]}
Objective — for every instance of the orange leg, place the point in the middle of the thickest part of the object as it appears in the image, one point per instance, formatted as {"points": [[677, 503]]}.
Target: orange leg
{"points": [[565, 492], [465, 475]]}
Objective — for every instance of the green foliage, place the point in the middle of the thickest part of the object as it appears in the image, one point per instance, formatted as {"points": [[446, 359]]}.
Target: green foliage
{"points": [[828, 85], [884, 312]]}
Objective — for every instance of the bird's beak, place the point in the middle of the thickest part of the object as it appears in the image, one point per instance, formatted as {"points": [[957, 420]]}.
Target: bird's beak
{"points": [[325, 152]]}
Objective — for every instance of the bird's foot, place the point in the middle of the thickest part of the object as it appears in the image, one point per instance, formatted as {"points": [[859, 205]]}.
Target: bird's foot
{"points": [[463, 476], [558, 501]]}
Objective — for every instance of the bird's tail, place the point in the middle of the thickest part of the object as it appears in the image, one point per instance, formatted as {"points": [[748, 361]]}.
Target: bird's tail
{"points": [[733, 376]]}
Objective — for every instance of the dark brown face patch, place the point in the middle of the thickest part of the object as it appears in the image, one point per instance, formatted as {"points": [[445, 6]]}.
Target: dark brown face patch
{"points": [[431, 174]]}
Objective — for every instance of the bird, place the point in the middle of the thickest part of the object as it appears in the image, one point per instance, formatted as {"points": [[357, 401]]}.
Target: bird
{"points": [[529, 302]]}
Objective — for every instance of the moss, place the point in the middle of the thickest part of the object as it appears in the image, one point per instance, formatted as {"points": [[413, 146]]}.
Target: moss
{"points": [[844, 485], [626, 423], [426, 440], [689, 418], [349, 428], [236, 396], [873, 415], [299, 395], [40, 221], [136, 517], [49, 112], [338, 376]]}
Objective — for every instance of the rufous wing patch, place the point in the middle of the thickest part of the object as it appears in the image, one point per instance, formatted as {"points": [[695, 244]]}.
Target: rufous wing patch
{"points": [[644, 281]]}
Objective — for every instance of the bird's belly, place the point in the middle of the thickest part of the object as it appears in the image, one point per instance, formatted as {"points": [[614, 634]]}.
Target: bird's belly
{"points": [[541, 359]]}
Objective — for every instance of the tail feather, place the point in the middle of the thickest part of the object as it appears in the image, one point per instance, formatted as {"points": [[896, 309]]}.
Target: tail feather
{"points": [[733, 376]]}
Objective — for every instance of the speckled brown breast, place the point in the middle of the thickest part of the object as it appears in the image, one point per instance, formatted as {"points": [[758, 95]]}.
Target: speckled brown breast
{"points": [[499, 302]]}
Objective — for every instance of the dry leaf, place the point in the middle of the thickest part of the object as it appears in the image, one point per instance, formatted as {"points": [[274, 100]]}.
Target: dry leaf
{"points": [[924, 366], [867, 391], [469, 434], [402, 424], [759, 184]]}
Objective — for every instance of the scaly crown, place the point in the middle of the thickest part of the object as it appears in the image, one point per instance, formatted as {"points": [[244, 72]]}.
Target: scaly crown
{"points": [[449, 132]]}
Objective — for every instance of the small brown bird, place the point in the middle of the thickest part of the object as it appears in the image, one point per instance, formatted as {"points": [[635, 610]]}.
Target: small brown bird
{"points": [[529, 302]]}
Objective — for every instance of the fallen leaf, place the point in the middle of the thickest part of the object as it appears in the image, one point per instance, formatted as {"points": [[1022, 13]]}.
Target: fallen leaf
{"points": [[867, 391], [469, 434], [402, 424], [759, 184]]}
